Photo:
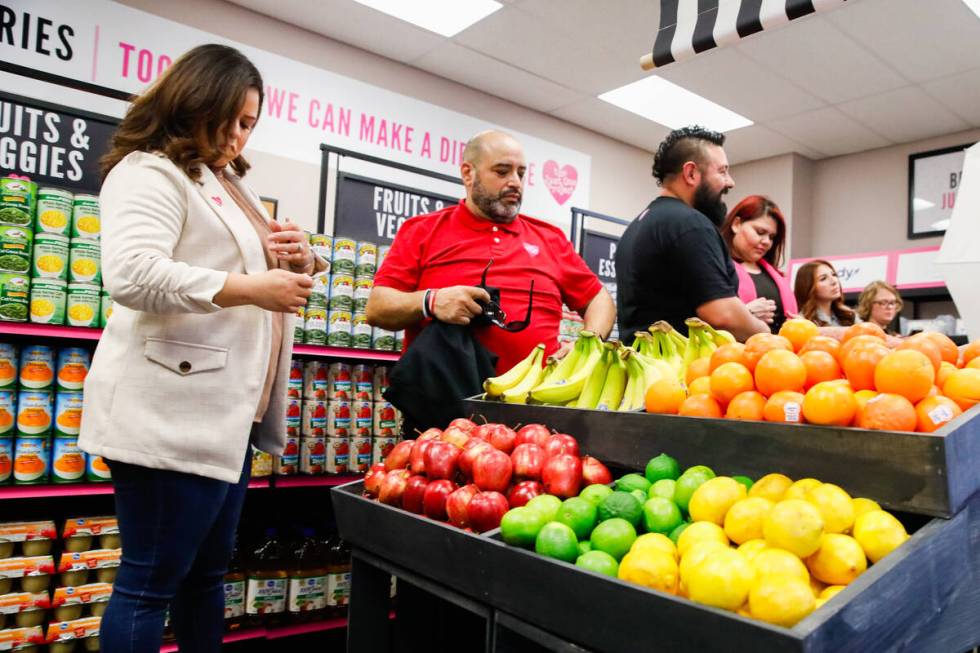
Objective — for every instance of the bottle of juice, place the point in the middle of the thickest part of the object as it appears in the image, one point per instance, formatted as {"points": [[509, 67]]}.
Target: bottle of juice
{"points": [[235, 591], [338, 577], [265, 590], [307, 579]]}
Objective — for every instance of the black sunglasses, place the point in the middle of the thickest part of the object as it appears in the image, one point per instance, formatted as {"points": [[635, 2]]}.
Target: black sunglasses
{"points": [[494, 314]]}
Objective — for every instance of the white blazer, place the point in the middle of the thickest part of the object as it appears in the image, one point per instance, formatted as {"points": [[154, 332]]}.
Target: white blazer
{"points": [[176, 379]]}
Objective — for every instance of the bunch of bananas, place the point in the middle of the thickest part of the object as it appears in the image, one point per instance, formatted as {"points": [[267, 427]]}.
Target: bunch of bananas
{"points": [[702, 340]]}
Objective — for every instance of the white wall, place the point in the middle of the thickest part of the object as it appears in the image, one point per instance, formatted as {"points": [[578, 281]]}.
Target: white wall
{"points": [[621, 180]]}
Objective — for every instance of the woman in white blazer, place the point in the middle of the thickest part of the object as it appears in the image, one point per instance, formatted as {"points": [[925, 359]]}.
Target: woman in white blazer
{"points": [[193, 364]]}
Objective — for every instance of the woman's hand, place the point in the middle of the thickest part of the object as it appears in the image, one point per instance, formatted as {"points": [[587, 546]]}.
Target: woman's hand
{"points": [[280, 291], [289, 244], [762, 308]]}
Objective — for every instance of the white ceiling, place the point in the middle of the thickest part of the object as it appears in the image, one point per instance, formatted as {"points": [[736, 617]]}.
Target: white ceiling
{"points": [[869, 74]]}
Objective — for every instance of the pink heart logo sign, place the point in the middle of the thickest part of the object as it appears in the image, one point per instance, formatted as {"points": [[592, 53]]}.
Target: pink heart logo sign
{"points": [[561, 181], [217, 200]]}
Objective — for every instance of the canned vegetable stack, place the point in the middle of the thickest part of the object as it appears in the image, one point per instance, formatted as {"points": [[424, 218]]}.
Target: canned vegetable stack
{"points": [[18, 199]]}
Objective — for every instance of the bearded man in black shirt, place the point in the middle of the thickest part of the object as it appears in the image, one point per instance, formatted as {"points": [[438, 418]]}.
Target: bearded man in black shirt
{"points": [[671, 263]]}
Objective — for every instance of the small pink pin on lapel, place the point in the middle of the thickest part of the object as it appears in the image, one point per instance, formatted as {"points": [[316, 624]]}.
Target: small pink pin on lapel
{"points": [[217, 199]]}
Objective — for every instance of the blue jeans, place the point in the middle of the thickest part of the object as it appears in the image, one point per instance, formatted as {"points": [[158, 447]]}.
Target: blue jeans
{"points": [[178, 532]]}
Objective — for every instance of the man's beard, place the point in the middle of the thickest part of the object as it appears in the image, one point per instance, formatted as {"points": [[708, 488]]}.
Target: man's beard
{"points": [[492, 205], [710, 205]]}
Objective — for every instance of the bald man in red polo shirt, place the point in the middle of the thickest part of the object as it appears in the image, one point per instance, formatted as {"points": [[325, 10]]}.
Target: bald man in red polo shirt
{"points": [[446, 252]]}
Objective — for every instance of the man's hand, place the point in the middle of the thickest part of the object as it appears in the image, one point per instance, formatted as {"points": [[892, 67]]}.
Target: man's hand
{"points": [[563, 348], [458, 304]]}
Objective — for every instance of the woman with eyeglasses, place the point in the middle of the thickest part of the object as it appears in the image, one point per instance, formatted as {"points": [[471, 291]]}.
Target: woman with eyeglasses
{"points": [[880, 303]]}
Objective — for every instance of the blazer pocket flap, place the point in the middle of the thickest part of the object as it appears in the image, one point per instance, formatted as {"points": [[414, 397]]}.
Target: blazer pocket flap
{"points": [[184, 357]]}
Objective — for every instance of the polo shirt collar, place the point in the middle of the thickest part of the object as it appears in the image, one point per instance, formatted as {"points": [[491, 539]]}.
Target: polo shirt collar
{"points": [[476, 223]]}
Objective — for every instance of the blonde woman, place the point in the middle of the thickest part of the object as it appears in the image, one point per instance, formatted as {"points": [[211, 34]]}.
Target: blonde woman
{"points": [[880, 303]]}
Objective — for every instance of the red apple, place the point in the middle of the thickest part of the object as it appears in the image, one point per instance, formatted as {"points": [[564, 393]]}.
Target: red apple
{"points": [[562, 475], [492, 471], [523, 492], [393, 486], [485, 511], [458, 503], [502, 438], [463, 424], [528, 459], [373, 479], [471, 451], [416, 462], [533, 433], [436, 494], [414, 491], [399, 456], [560, 443], [482, 431], [440, 459], [593, 471], [429, 434], [456, 436]]}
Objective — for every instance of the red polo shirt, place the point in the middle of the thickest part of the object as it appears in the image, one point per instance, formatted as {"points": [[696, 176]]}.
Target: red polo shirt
{"points": [[451, 247]]}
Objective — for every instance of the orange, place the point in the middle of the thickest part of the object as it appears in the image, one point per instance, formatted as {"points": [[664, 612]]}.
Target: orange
{"points": [[950, 352], [798, 331], [963, 387], [746, 405], [908, 372], [700, 406], [700, 386], [970, 352], [759, 344], [863, 329], [822, 343], [926, 346], [888, 412], [973, 364], [779, 370], [933, 412], [860, 364], [820, 366], [945, 369], [829, 402], [784, 406], [696, 369], [863, 396], [856, 341], [729, 380], [665, 396], [731, 353]]}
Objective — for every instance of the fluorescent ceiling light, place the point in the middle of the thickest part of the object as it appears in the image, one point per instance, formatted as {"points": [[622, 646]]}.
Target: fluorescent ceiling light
{"points": [[656, 99], [974, 6], [446, 17], [919, 204]]}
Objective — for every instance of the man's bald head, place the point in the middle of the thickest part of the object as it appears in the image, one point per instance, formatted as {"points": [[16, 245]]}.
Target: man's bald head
{"points": [[485, 141], [493, 172]]}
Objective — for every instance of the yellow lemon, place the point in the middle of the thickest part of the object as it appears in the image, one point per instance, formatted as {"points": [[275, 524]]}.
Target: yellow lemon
{"points": [[723, 580], [781, 600], [42, 307], [862, 506], [839, 560], [81, 312], [799, 489], [696, 555], [744, 519], [817, 586], [819, 603], [771, 486], [779, 562], [53, 219], [711, 501], [702, 530], [794, 525], [835, 506], [650, 568], [656, 542], [752, 548], [50, 263], [831, 591], [878, 533], [88, 223]]}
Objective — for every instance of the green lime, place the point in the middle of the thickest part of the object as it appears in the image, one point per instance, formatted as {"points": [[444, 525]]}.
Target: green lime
{"points": [[662, 467], [640, 495], [614, 536], [661, 515], [595, 493], [556, 540], [700, 469], [676, 533], [685, 487], [584, 547], [632, 482], [578, 514], [520, 526], [599, 562], [546, 504], [621, 504], [662, 488], [745, 480]]}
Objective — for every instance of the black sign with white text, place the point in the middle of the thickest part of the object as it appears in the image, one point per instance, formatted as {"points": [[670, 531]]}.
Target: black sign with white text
{"points": [[599, 252]]}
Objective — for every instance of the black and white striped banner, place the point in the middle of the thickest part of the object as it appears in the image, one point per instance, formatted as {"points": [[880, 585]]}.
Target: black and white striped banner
{"points": [[688, 27]]}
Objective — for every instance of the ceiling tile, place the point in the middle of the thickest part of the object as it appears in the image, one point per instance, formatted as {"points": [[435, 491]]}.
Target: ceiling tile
{"points": [[760, 142], [919, 39], [612, 121], [829, 131], [960, 94], [897, 115], [815, 55], [457, 63]]}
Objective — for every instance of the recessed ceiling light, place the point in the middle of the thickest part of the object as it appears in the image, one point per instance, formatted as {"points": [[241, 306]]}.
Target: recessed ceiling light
{"points": [[666, 103], [446, 17], [974, 6]]}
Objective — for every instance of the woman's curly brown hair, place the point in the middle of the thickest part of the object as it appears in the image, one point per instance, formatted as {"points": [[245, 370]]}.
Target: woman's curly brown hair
{"points": [[196, 99]]}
